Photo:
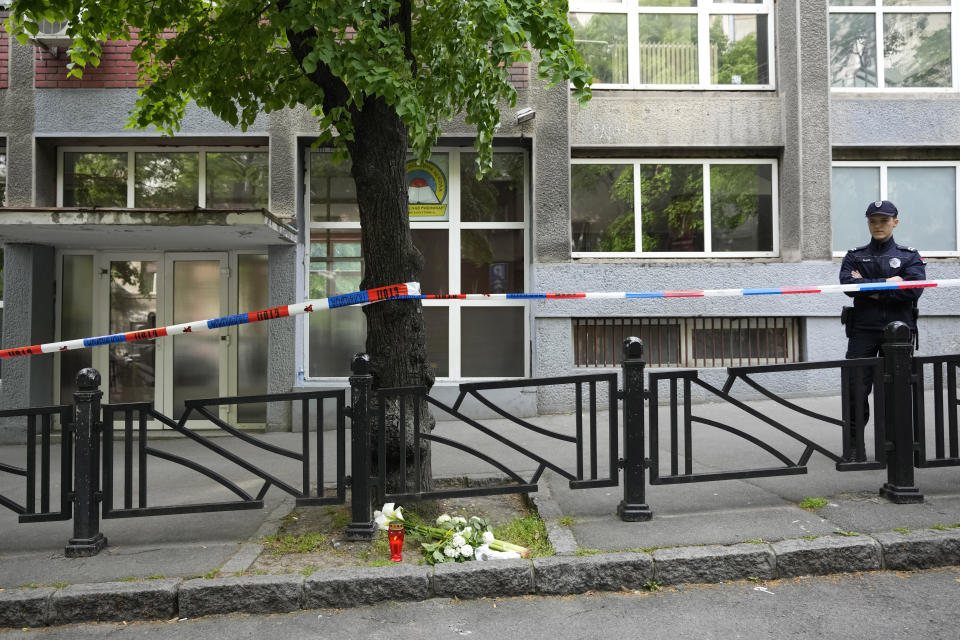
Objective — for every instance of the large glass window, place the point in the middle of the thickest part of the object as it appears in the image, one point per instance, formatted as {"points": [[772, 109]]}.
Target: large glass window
{"points": [[685, 44], [165, 178], [892, 44], [473, 237], [674, 208], [925, 194]]}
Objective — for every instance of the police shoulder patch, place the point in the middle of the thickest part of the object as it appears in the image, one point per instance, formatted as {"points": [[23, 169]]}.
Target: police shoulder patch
{"points": [[903, 248]]}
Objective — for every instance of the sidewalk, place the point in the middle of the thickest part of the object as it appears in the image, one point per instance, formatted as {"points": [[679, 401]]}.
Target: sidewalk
{"points": [[762, 511]]}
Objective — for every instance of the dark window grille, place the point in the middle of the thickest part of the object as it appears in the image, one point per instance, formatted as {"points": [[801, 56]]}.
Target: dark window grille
{"points": [[689, 342]]}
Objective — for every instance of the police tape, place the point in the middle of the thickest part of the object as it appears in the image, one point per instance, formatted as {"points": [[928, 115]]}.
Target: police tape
{"points": [[696, 293], [407, 289], [411, 291]]}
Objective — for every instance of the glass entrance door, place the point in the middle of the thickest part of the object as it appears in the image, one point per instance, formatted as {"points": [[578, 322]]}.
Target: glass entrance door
{"points": [[133, 296], [197, 364]]}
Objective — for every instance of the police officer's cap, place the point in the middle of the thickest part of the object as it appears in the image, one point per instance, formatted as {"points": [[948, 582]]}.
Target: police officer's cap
{"points": [[882, 207]]}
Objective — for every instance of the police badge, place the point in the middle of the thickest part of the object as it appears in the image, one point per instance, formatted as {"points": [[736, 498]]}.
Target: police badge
{"points": [[894, 263]]}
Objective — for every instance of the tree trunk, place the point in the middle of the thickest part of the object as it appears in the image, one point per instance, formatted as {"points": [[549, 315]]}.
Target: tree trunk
{"points": [[395, 329]]}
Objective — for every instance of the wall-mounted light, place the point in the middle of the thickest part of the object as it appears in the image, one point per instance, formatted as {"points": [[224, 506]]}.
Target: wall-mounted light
{"points": [[525, 114]]}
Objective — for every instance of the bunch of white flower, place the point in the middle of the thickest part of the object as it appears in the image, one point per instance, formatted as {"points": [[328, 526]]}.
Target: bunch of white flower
{"points": [[458, 539]]}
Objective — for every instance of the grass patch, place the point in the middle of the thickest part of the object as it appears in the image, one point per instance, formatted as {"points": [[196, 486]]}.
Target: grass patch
{"points": [[940, 527], [308, 571], [587, 552], [209, 575], [566, 521], [527, 531], [901, 530], [380, 562], [813, 503], [281, 545], [755, 541], [652, 586], [848, 534], [156, 576], [339, 517], [128, 579]]}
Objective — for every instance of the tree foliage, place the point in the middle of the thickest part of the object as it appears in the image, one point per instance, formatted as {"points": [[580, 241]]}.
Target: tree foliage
{"points": [[428, 60]]}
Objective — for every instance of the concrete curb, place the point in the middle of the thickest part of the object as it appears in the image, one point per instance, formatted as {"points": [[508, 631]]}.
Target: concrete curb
{"points": [[555, 575]]}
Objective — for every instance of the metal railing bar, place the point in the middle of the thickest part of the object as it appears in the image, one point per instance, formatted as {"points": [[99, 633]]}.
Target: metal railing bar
{"points": [[687, 427], [305, 445], [746, 436], [952, 413], [936, 359], [13, 506], [208, 507], [786, 403], [462, 493], [535, 382], [476, 425], [593, 430], [807, 453], [33, 411], [536, 476], [66, 462], [674, 452], [612, 419], [341, 450], [142, 460], [248, 438], [128, 459], [179, 428], [272, 397], [190, 464], [521, 422], [773, 423], [107, 472], [418, 485], [45, 463], [266, 486], [805, 366], [17, 471], [31, 463], [402, 428], [654, 420], [499, 465], [381, 431], [579, 426], [731, 475]]}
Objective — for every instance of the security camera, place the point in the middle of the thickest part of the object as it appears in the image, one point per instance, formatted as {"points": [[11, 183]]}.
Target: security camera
{"points": [[525, 115]]}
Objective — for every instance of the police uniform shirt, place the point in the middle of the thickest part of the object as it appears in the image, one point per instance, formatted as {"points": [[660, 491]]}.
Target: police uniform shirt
{"points": [[876, 262]]}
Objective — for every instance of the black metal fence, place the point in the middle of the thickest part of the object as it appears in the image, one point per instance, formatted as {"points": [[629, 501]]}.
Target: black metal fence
{"points": [[386, 421]]}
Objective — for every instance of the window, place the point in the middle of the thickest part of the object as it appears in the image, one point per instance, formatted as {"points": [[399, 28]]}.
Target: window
{"points": [[181, 178], [688, 342], [924, 192], [473, 235], [892, 44], [676, 44], [674, 208]]}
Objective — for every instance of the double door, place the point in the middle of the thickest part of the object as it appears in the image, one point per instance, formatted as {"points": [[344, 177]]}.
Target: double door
{"points": [[133, 292]]}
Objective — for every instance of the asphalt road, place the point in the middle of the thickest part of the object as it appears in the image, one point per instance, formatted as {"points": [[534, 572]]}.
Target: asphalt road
{"points": [[877, 605]]}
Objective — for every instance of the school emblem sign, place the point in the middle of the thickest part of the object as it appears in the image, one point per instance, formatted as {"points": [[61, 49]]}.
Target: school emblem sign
{"points": [[426, 191]]}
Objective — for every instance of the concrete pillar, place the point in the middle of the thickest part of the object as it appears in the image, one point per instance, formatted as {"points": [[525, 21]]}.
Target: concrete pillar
{"points": [[16, 123], [282, 261], [28, 319], [804, 84]]}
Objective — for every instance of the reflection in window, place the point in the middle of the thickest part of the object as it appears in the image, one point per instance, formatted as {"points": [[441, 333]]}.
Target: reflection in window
{"points": [[333, 195], [916, 47], [671, 198], [491, 261], [916, 50], [167, 180], [738, 49], [601, 38], [493, 341], [237, 180], [498, 197], [94, 179], [668, 49], [741, 207], [602, 207]]}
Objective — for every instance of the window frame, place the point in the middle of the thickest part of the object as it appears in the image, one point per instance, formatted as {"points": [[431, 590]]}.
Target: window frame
{"points": [[704, 10], [707, 240], [883, 165], [454, 226], [879, 10], [132, 151]]}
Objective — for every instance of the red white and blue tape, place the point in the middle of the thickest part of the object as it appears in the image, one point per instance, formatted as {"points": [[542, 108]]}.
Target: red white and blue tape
{"points": [[394, 291], [411, 291]]}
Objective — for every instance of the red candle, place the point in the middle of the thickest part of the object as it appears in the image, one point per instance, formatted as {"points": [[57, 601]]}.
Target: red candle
{"points": [[395, 538]]}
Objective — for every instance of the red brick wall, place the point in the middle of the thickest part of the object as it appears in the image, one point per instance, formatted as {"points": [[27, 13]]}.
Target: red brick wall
{"points": [[4, 48], [520, 75], [116, 69]]}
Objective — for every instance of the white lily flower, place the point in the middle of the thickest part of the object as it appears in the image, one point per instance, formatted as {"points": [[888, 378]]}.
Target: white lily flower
{"points": [[458, 541], [487, 537], [466, 551], [380, 519]]}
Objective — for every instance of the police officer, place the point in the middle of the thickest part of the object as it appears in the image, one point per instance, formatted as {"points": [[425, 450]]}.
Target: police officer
{"points": [[882, 260]]}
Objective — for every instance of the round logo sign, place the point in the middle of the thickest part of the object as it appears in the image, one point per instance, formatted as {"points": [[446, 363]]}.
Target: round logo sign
{"points": [[894, 262]]}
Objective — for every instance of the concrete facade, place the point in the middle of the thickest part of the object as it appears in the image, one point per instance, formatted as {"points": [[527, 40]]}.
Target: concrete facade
{"points": [[801, 124]]}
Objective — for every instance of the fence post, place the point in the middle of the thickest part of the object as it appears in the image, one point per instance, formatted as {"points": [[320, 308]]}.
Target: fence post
{"points": [[87, 539], [898, 410], [633, 507], [361, 526]]}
